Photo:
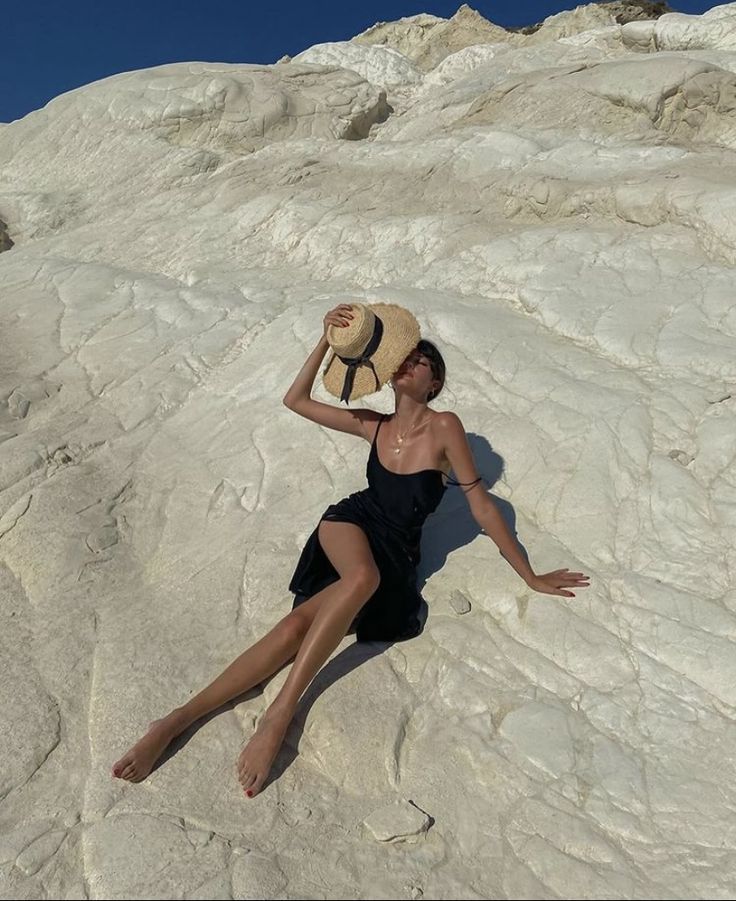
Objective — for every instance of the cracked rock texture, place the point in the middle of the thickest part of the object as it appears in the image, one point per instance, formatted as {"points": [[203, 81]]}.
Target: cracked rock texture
{"points": [[557, 206]]}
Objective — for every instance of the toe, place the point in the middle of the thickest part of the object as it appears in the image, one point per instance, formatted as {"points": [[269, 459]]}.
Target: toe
{"points": [[249, 782], [119, 766], [245, 778], [255, 786], [128, 772]]}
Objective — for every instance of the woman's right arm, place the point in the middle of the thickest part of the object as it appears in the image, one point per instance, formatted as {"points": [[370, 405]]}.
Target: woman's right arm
{"points": [[301, 387], [298, 397]]}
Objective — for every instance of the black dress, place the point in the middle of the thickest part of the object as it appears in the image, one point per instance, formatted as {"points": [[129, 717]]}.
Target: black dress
{"points": [[391, 511]]}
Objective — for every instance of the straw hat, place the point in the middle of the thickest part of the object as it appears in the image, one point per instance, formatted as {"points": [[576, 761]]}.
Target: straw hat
{"points": [[368, 351]]}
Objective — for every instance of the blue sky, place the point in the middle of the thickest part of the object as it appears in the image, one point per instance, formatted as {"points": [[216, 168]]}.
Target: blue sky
{"points": [[49, 48]]}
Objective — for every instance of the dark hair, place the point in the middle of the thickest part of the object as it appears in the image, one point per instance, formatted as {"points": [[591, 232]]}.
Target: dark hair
{"points": [[427, 349]]}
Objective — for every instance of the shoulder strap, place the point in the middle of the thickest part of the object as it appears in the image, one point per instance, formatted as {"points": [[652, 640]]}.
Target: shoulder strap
{"points": [[375, 434]]}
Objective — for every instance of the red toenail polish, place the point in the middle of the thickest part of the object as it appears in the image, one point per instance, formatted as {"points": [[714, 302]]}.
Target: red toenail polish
{"points": [[249, 793]]}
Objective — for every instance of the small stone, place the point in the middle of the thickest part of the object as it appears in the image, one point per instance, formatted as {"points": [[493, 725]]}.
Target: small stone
{"points": [[102, 538], [199, 837], [18, 405], [401, 821], [459, 603], [681, 456]]}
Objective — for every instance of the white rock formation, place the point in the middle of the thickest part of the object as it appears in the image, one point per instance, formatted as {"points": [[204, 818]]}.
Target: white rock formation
{"points": [[427, 39], [373, 62], [714, 30], [560, 214]]}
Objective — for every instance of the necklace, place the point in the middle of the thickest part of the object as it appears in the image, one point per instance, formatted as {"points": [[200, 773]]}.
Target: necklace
{"points": [[400, 437]]}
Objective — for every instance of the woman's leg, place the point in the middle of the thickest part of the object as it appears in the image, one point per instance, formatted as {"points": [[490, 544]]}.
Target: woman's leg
{"points": [[347, 548], [259, 662]]}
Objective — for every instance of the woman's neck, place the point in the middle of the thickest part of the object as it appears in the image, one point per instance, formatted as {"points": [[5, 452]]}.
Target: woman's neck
{"points": [[408, 410]]}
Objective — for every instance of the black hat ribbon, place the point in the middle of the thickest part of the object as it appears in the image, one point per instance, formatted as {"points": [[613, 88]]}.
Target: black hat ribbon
{"points": [[364, 359]]}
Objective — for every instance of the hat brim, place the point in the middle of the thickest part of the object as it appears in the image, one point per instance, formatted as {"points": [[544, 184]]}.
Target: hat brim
{"points": [[401, 334]]}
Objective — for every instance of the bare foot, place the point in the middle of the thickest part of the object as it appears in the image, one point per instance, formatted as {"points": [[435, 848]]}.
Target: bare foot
{"points": [[256, 758], [138, 762]]}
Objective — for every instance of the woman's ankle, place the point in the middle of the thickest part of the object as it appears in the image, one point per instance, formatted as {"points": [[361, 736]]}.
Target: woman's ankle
{"points": [[281, 709], [179, 719]]}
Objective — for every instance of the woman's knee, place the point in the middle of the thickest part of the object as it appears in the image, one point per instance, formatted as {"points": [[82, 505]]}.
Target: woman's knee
{"points": [[347, 548], [295, 625], [363, 579]]}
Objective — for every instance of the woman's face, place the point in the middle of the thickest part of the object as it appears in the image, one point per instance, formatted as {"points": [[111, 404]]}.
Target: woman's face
{"points": [[415, 376]]}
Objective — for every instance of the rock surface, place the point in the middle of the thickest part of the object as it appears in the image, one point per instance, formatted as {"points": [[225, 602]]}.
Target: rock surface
{"points": [[558, 210]]}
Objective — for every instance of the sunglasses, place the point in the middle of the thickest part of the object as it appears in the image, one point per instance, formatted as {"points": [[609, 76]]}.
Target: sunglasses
{"points": [[414, 360]]}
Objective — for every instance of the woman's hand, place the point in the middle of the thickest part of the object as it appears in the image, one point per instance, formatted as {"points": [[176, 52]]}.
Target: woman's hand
{"points": [[339, 316], [557, 581]]}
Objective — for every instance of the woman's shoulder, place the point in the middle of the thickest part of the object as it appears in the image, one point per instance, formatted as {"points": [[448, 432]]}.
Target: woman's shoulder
{"points": [[445, 418], [438, 423], [369, 420]]}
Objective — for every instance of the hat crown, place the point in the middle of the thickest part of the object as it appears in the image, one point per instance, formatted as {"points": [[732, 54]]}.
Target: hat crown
{"points": [[351, 340], [389, 331]]}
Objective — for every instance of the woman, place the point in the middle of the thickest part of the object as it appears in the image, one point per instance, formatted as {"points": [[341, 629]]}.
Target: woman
{"points": [[358, 568]]}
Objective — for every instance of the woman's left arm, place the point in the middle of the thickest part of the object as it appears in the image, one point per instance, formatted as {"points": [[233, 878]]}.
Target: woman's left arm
{"points": [[487, 515]]}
